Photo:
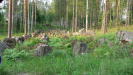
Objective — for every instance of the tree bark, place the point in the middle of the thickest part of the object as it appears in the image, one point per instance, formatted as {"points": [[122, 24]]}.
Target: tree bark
{"points": [[76, 16], [10, 18], [104, 23], [86, 15], [73, 22], [35, 14], [26, 17], [117, 12]]}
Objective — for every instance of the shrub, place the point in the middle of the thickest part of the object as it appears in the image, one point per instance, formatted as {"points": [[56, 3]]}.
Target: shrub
{"points": [[13, 54]]}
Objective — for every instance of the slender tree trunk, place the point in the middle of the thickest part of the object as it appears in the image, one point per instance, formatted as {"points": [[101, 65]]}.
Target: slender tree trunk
{"points": [[13, 25], [26, 17], [76, 16], [86, 15], [35, 13], [73, 22], [32, 16], [90, 14], [131, 12], [10, 17], [127, 21], [22, 20], [104, 28], [117, 13], [66, 13]]}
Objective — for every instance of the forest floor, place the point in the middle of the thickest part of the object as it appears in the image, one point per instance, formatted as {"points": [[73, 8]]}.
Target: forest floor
{"points": [[101, 60]]}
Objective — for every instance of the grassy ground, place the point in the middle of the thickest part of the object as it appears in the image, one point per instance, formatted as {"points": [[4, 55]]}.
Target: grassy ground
{"points": [[101, 60]]}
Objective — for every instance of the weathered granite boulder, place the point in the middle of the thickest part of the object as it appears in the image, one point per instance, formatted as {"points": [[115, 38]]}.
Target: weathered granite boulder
{"points": [[79, 48], [124, 36], [43, 50]]}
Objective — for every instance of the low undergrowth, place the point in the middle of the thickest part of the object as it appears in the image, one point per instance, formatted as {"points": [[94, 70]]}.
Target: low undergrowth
{"points": [[101, 59]]}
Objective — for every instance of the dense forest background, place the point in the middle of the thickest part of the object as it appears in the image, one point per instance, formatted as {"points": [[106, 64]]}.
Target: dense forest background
{"points": [[70, 14]]}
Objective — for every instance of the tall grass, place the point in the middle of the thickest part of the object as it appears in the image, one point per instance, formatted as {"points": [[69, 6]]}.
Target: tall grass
{"points": [[101, 60]]}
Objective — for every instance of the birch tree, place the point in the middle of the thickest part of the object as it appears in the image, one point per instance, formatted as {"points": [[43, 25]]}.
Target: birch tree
{"points": [[87, 15]]}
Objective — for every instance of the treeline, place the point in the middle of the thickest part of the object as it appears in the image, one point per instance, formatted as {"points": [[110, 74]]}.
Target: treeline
{"points": [[94, 14], [72, 14]]}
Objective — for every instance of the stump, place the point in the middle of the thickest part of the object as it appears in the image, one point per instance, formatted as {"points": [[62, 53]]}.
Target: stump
{"points": [[43, 50], [79, 48], [10, 42], [124, 36]]}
